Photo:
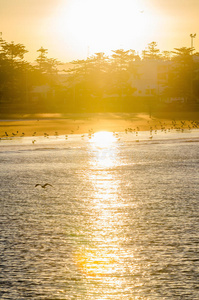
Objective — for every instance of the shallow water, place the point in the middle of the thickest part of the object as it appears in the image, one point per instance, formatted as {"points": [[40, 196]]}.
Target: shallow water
{"points": [[119, 222]]}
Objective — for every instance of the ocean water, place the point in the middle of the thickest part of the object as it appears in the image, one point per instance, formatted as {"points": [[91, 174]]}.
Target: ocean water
{"points": [[120, 221]]}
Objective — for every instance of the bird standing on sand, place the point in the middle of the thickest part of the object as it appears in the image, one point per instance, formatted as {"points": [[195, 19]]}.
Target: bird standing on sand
{"points": [[43, 186]]}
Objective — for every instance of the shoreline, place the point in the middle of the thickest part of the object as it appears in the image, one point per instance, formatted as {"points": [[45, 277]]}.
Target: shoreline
{"points": [[61, 124]]}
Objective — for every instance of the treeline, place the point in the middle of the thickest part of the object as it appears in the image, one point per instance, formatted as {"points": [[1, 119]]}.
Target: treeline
{"points": [[19, 77], [98, 83]]}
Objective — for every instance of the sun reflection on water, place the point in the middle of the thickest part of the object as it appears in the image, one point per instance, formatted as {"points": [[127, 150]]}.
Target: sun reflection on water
{"points": [[96, 261], [104, 146], [103, 139], [102, 255]]}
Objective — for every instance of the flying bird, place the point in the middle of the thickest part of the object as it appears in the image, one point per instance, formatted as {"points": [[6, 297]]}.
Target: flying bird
{"points": [[43, 186]]}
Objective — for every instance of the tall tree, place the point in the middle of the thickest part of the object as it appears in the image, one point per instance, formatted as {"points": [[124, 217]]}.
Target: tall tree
{"points": [[182, 72], [152, 51], [42, 59], [121, 67], [47, 67], [13, 51], [87, 80], [12, 70]]}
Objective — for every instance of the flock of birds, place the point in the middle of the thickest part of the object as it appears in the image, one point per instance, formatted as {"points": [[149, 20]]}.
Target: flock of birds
{"points": [[163, 128], [180, 126]]}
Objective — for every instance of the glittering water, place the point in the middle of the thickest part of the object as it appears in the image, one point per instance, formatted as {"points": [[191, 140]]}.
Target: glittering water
{"points": [[120, 222]]}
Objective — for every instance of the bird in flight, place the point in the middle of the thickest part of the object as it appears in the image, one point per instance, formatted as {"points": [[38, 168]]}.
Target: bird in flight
{"points": [[43, 185]]}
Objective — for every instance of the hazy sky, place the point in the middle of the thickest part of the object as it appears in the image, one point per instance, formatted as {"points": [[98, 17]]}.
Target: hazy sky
{"points": [[73, 29]]}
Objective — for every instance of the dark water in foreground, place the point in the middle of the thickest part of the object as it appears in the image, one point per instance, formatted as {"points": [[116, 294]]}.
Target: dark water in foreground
{"points": [[120, 222]]}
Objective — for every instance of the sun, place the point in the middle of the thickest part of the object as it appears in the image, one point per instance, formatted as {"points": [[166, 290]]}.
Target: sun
{"points": [[103, 25]]}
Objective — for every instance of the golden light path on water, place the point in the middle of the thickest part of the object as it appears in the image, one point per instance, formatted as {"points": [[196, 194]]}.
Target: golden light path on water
{"points": [[103, 257]]}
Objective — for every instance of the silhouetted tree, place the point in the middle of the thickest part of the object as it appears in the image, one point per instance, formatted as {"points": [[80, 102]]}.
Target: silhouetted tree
{"points": [[166, 55], [121, 67], [13, 51], [181, 73], [42, 59], [152, 52], [12, 70], [47, 67]]}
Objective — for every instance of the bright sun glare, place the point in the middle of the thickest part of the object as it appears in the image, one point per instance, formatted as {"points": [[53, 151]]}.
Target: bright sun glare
{"points": [[103, 25], [103, 139]]}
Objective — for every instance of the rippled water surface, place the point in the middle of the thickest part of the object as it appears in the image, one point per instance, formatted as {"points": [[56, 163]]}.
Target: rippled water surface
{"points": [[120, 221]]}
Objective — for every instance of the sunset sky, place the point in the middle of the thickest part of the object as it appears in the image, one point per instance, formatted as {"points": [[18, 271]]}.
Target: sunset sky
{"points": [[74, 29]]}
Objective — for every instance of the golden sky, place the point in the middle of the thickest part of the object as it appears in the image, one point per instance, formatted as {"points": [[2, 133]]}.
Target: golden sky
{"points": [[74, 29]]}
